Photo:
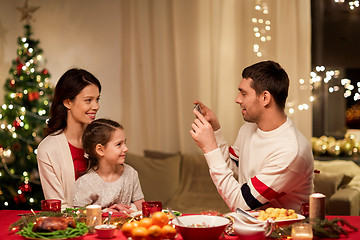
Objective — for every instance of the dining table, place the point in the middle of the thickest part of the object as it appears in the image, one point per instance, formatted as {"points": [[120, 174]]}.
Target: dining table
{"points": [[8, 217]]}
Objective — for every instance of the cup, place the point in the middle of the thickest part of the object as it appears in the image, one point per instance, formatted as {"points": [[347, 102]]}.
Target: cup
{"points": [[105, 231], [51, 205], [304, 209], [93, 215], [150, 207], [301, 231]]}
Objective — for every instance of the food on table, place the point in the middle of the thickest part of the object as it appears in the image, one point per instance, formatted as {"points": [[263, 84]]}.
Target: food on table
{"points": [[203, 225], [50, 227], [156, 227], [50, 224], [277, 214], [160, 219]]}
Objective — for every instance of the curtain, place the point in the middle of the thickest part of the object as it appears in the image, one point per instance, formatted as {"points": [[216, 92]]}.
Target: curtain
{"points": [[176, 51]]}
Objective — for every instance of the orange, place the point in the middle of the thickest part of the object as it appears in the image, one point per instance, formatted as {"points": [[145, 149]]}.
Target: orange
{"points": [[139, 233], [155, 232], [168, 232], [127, 228], [160, 219], [145, 222]]}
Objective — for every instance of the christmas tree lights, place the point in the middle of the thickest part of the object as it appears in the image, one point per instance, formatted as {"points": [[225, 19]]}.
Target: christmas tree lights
{"points": [[22, 120]]}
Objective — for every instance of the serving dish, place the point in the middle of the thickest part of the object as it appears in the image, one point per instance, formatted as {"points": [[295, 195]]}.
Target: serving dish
{"points": [[282, 222], [201, 227]]}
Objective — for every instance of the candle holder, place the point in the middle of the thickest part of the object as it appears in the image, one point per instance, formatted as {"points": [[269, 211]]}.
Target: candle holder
{"points": [[51, 205], [302, 231], [93, 215], [150, 207]]}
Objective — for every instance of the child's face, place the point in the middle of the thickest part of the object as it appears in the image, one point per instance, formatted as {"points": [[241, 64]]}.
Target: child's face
{"points": [[115, 149]]}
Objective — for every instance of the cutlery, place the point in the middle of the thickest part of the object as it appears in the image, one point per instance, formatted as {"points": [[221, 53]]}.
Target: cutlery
{"points": [[177, 219], [108, 222], [246, 214]]}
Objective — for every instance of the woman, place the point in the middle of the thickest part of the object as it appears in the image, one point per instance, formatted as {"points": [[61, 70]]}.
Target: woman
{"points": [[60, 155]]}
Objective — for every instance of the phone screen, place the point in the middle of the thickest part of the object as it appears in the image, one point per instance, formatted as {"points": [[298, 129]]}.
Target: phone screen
{"points": [[197, 107]]}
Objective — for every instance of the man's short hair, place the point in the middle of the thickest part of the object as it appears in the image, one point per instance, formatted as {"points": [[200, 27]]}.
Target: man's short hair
{"points": [[269, 76]]}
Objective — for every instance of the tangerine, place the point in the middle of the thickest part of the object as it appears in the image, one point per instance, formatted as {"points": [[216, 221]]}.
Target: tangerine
{"points": [[145, 222], [127, 228], [155, 232], [168, 232], [160, 218], [139, 233]]}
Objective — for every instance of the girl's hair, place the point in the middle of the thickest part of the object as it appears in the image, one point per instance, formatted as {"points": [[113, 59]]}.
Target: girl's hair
{"points": [[70, 84], [98, 131]]}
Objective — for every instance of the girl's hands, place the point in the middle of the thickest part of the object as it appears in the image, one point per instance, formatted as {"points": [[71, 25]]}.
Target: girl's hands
{"points": [[203, 132], [209, 115], [119, 208]]}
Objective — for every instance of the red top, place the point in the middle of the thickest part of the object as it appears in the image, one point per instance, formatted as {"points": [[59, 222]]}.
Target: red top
{"points": [[80, 162]]}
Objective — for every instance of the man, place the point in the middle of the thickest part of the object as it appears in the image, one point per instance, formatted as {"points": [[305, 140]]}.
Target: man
{"points": [[272, 160]]}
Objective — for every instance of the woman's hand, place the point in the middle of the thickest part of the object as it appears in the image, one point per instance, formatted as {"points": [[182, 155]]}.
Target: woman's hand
{"points": [[203, 134], [209, 115]]}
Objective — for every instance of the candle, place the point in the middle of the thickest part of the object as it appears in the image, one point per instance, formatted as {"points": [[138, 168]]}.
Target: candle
{"points": [[93, 215], [317, 206], [301, 231]]}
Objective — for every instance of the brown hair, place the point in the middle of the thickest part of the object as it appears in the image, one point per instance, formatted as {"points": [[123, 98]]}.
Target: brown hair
{"points": [[98, 131], [269, 76], [70, 84]]}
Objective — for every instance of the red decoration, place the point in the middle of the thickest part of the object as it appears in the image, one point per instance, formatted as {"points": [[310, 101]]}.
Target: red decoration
{"points": [[16, 124], [33, 96], [25, 187], [45, 71], [12, 83], [19, 68], [19, 198]]}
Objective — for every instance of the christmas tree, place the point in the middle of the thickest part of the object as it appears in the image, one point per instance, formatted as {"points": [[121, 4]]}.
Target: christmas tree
{"points": [[22, 120]]}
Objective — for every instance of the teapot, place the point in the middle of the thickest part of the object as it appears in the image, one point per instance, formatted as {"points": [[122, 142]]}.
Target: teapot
{"points": [[251, 229]]}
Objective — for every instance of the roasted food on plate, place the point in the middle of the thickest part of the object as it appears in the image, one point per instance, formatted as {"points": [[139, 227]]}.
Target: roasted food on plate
{"points": [[50, 224]]}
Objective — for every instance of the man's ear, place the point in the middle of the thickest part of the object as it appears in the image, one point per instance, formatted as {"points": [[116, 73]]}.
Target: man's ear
{"points": [[266, 98], [67, 103], [99, 149]]}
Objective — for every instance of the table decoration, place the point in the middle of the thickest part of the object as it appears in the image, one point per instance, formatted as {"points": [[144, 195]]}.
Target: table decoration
{"points": [[51, 205], [150, 207], [302, 231], [317, 206], [93, 215], [321, 229]]}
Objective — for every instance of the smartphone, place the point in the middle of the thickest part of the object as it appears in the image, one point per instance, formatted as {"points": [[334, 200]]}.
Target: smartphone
{"points": [[197, 107]]}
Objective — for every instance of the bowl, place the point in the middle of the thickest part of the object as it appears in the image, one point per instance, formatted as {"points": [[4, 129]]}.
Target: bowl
{"points": [[201, 227], [105, 231]]}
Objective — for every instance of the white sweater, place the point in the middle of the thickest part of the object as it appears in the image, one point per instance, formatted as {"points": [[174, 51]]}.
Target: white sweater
{"points": [[275, 168]]}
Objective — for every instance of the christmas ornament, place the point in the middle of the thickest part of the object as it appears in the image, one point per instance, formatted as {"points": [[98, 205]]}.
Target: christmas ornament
{"points": [[25, 187], [334, 148], [26, 12], [346, 147], [16, 123], [319, 147], [33, 96], [19, 199]]}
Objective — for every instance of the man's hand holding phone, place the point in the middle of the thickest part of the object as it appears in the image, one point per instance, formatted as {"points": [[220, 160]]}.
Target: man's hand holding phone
{"points": [[208, 114]]}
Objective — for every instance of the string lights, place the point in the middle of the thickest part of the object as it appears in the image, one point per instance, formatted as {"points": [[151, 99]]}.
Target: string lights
{"points": [[261, 26], [352, 4]]}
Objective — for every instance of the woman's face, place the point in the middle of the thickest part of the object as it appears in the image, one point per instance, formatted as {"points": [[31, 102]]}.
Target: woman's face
{"points": [[83, 108]]}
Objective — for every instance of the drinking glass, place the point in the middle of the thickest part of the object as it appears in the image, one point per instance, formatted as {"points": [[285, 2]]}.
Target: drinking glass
{"points": [[51, 205], [302, 231], [149, 207]]}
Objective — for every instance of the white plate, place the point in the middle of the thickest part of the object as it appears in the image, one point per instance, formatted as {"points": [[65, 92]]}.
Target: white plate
{"points": [[287, 221]]}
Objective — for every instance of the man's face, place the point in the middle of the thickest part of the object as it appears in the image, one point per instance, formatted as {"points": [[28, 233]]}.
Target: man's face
{"points": [[249, 101]]}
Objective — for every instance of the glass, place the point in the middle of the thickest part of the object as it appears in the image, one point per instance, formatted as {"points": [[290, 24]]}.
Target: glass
{"points": [[304, 209], [302, 231], [150, 207], [51, 205]]}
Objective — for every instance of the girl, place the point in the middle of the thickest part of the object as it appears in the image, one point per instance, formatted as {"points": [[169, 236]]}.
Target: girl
{"points": [[110, 182], [60, 155]]}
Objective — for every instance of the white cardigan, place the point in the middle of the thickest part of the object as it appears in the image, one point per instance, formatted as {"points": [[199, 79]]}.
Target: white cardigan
{"points": [[56, 169]]}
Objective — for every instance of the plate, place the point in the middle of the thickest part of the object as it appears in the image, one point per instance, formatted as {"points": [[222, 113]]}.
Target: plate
{"points": [[283, 222]]}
